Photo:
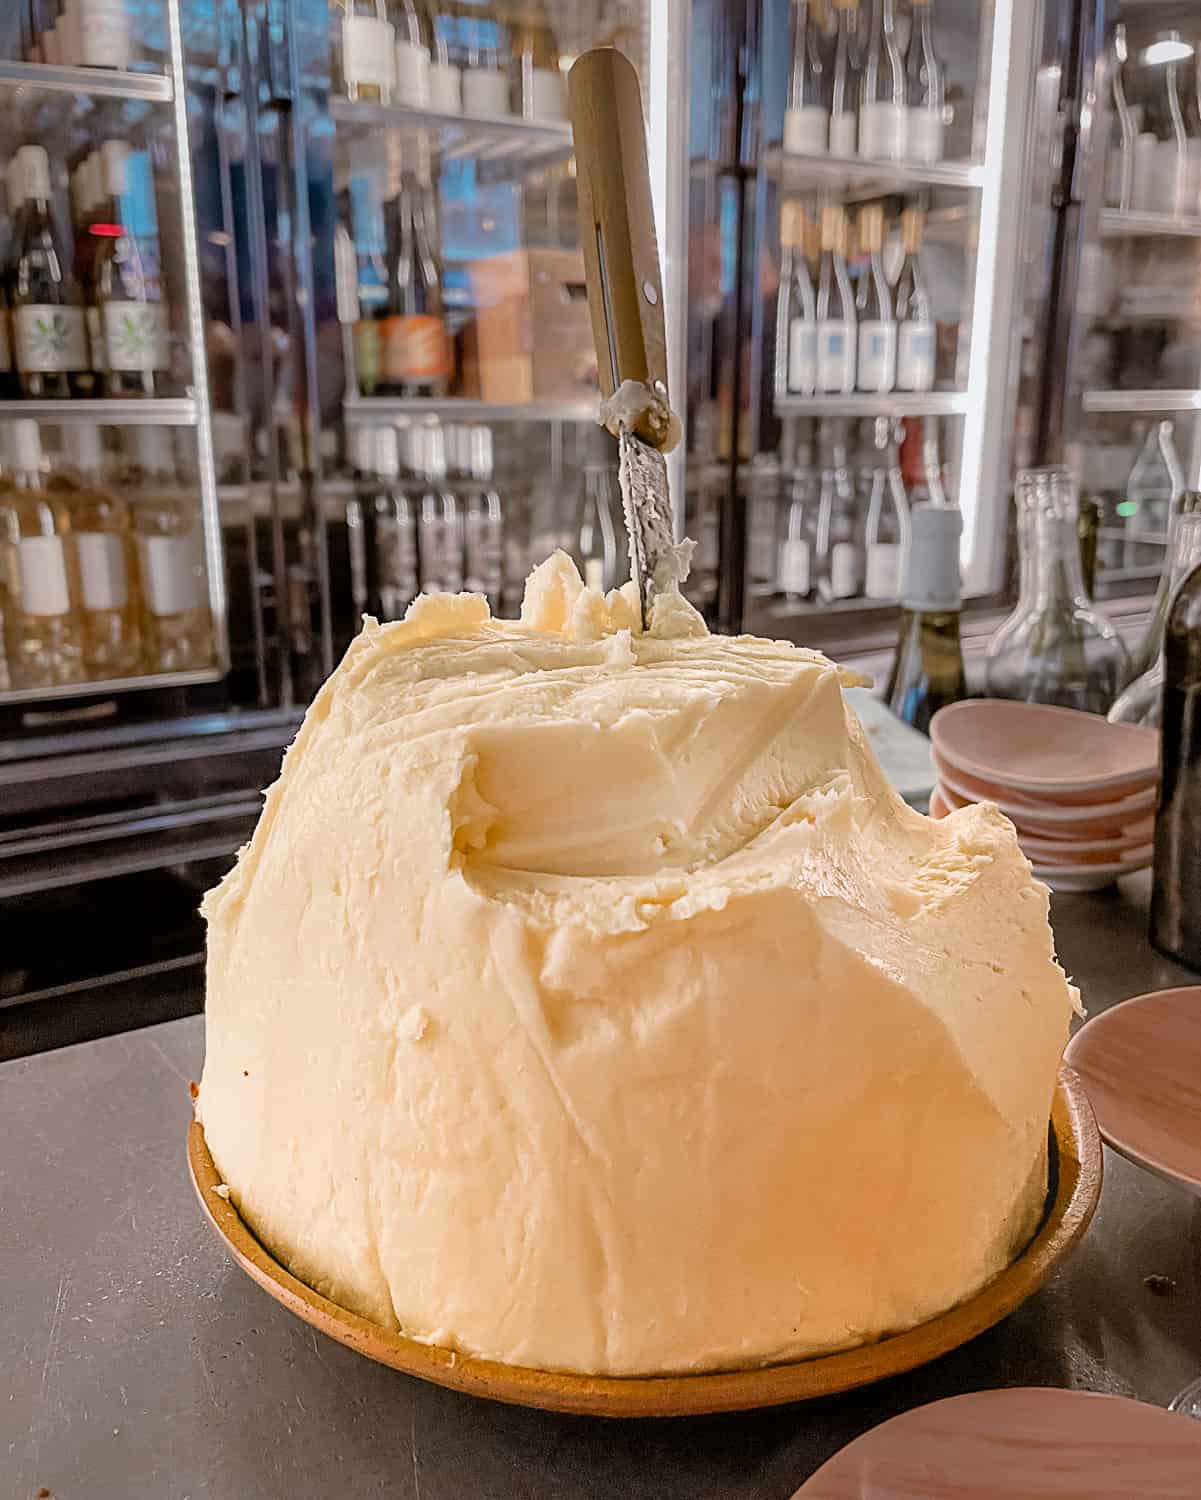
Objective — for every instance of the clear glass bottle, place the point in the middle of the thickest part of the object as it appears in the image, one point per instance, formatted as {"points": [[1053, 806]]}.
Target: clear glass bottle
{"points": [[1120, 175], [796, 307], [598, 531], [835, 307], [366, 193], [876, 366], [44, 643], [1152, 503], [917, 336], [796, 544], [446, 78], [883, 120], [485, 76], [102, 541], [483, 523], [763, 498], [1055, 647], [538, 91], [887, 530], [838, 560], [927, 669], [390, 525], [411, 81], [807, 109], [368, 51], [104, 31], [127, 305], [925, 88], [440, 519], [48, 320], [171, 569], [417, 357], [845, 80], [1141, 700]]}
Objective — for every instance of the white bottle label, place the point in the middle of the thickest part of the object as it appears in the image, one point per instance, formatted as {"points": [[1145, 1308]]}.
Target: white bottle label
{"points": [[132, 332], [843, 133], [877, 355], [167, 564], [446, 89], [792, 575], [485, 92], [50, 338], [883, 570], [835, 355], [882, 131], [42, 576], [104, 33], [368, 51], [412, 82], [545, 94], [915, 357], [925, 137], [807, 130], [101, 569], [844, 570], [802, 356]]}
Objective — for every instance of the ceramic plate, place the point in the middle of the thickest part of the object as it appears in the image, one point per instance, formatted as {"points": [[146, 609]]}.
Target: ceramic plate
{"points": [[1019, 1444], [1075, 1165], [1035, 748], [1141, 1064], [1098, 819], [1075, 879]]}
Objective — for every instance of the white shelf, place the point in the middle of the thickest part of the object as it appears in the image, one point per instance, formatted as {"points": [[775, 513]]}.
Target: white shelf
{"points": [[110, 685], [370, 411], [859, 404], [148, 411], [96, 83], [500, 138], [1142, 401], [1121, 224], [863, 177]]}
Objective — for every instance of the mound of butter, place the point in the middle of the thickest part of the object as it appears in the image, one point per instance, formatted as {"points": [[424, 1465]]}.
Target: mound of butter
{"points": [[586, 999]]}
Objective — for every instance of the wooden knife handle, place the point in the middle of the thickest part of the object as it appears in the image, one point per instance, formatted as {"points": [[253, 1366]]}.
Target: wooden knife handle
{"points": [[617, 223]]}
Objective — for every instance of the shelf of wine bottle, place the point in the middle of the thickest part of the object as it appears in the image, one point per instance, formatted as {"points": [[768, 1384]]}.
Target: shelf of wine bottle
{"points": [[90, 689], [96, 83], [503, 138], [371, 411], [1118, 224], [862, 404], [106, 412], [1142, 401], [860, 177]]}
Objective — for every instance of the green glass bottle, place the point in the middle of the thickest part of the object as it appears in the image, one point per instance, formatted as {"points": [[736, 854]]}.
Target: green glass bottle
{"points": [[927, 671]]}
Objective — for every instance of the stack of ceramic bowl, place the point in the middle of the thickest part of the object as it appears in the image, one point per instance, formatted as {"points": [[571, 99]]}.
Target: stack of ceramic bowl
{"points": [[1079, 790]]}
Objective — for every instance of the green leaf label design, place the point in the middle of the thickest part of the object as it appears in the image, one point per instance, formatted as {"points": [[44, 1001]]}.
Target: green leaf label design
{"points": [[132, 335], [50, 338]]}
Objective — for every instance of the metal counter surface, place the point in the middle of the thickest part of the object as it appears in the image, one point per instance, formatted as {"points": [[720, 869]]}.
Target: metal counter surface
{"points": [[139, 1364]]}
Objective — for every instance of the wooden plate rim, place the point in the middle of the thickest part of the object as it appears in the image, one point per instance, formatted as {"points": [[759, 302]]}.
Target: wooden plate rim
{"points": [[1076, 1169]]}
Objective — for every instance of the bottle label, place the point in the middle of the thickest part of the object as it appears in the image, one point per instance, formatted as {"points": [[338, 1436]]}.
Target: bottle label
{"points": [[843, 133], [6, 357], [792, 575], [844, 570], [835, 355], [412, 82], [883, 570], [446, 89], [42, 576], [485, 92], [915, 357], [367, 51], [101, 569], [807, 130], [132, 334], [50, 338], [104, 33], [415, 348], [802, 356], [544, 99], [170, 581], [877, 355], [882, 131], [91, 319], [925, 135]]}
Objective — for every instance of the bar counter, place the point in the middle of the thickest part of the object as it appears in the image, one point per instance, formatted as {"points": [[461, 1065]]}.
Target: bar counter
{"points": [[139, 1364]]}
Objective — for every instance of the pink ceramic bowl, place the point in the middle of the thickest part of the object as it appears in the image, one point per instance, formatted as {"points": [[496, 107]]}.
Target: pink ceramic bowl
{"points": [[1129, 818]]}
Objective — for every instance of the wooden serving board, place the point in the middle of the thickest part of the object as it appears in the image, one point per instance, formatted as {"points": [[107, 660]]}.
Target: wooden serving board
{"points": [[1075, 1165]]}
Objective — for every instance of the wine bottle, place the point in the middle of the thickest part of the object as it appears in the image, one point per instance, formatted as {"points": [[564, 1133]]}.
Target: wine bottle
{"points": [[796, 308], [171, 568], [835, 307], [876, 368], [1120, 176], [485, 77], [446, 78], [391, 528], [44, 648], [371, 273], [48, 321], [1153, 490], [102, 537], [411, 85], [368, 51], [916, 333], [127, 305], [882, 114], [794, 557], [537, 81], [416, 354], [1176, 865], [839, 561], [440, 523], [845, 80], [925, 92], [807, 110], [104, 33], [484, 557], [927, 670], [596, 530], [887, 517]]}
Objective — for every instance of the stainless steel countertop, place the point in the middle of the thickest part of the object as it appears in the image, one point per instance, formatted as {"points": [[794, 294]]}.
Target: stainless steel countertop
{"points": [[138, 1364]]}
